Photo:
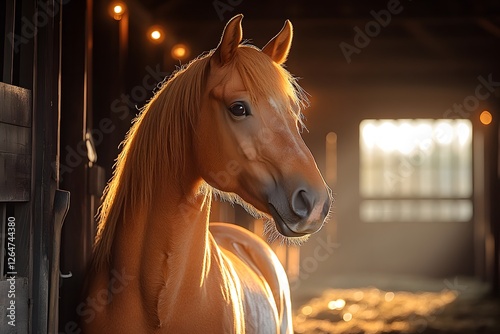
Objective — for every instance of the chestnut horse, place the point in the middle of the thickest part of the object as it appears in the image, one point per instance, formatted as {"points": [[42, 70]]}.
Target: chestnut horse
{"points": [[227, 124]]}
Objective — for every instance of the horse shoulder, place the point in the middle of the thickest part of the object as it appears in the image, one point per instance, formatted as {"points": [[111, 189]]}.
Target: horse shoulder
{"points": [[255, 254], [103, 309]]}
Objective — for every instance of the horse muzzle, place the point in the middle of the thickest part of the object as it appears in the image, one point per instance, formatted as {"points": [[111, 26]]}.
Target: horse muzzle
{"points": [[302, 214]]}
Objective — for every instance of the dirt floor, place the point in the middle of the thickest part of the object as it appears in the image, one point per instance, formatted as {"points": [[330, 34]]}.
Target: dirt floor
{"points": [[370, 310]]}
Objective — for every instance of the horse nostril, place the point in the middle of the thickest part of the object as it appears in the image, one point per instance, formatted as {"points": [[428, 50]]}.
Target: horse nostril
{"points": [[326, 208], [302, 203]]}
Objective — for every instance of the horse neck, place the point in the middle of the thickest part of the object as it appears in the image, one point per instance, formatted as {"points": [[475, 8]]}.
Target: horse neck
{"points": [[177, 220], [164, 236]]}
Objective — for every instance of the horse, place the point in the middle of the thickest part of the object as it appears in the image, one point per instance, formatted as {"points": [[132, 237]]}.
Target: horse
{"points": [[228, 124]]}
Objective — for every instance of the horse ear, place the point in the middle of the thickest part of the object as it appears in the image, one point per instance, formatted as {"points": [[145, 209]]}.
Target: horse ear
{"points": [[279, 46], [231, 38]]}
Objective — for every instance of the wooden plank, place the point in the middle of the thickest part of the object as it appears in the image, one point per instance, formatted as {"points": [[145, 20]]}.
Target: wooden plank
{"points": [[15, 177], [15, 139], [15, 162], [18, 312], [15, 105], [9, 50]]}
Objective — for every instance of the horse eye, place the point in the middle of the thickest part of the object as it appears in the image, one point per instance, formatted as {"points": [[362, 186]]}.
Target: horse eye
{"points": [[239, 110]]}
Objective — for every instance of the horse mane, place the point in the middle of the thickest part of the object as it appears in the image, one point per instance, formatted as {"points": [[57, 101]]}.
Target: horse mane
{"points": [[161, 135]]}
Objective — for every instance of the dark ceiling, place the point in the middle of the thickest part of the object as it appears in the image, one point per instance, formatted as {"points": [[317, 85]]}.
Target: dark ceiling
{"points": [[210, 9], [460, 34]]}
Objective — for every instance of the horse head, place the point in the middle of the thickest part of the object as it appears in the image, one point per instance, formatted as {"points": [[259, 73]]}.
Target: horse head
{"points": [[248, 133]]}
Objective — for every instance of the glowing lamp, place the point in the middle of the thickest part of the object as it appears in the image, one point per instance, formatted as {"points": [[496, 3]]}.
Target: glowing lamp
{"points": [[156, 34], [180, 51], [486, 117], [117, 9]]}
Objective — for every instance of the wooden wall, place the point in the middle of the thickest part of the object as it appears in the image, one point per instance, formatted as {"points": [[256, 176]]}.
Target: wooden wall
{"points": [[15, 143]]}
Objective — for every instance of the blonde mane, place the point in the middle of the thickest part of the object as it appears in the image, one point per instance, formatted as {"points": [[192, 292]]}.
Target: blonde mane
{"points": [[161, 135]]}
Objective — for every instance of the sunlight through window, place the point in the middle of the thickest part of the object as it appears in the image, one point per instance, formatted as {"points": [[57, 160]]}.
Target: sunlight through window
{"points": [[416, 170]]}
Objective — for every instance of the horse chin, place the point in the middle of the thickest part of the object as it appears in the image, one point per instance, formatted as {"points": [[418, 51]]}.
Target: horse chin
{"points": [[281, 231], [273, 234], [275, 228], [281, 224]]}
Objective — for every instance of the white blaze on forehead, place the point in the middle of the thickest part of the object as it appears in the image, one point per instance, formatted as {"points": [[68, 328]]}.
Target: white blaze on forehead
{"points": [[273, 103]]}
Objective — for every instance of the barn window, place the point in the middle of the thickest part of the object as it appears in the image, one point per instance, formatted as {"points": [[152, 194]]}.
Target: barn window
{"points": [[416, 170]]}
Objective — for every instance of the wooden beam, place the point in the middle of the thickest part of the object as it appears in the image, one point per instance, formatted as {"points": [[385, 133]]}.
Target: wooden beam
{"points": [[15, 143]]}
